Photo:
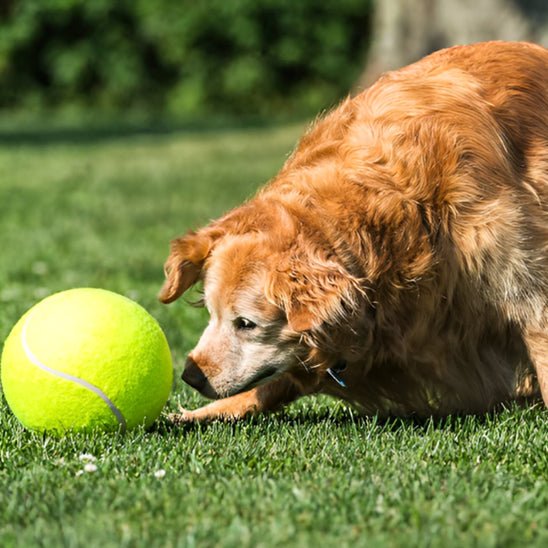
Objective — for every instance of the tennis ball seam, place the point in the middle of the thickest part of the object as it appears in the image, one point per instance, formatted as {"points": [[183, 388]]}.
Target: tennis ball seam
{"points": [[72, 378]]}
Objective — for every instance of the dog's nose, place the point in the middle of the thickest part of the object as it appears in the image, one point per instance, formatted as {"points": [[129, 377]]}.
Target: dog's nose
{"points": [[193, 374]]}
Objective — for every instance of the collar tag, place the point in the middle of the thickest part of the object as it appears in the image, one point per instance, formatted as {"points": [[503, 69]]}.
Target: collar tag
{"points": [[334, 374]]}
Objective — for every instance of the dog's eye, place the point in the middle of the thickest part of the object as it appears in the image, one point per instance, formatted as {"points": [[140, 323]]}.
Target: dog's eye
{"points": [[244, 324]]}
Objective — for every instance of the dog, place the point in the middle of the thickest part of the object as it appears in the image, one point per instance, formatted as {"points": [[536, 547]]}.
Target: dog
{"points": [[398, 261]]}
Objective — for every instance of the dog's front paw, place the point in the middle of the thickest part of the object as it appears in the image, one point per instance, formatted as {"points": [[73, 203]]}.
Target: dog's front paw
{"points": [[182, 417]]}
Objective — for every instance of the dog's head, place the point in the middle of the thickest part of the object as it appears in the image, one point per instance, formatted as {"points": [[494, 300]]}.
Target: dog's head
{"points": [[267, 286]]}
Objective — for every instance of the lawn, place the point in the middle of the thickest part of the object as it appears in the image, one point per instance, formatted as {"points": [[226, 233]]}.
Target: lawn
{"points": [[98, 209]]}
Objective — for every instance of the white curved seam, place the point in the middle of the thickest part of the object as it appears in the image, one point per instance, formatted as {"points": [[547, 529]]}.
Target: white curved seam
{"points": [[32, 357]]}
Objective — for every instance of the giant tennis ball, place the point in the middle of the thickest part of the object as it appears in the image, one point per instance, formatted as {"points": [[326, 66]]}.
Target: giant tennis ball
{"points": [[83, 359]]}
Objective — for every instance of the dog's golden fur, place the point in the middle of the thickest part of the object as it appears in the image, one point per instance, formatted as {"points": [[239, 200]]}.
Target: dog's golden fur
{"points": [[406, 237]]}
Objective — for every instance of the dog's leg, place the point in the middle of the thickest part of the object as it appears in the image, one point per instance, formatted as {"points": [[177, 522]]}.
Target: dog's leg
{"points": [[267, 397], [537, 345]]}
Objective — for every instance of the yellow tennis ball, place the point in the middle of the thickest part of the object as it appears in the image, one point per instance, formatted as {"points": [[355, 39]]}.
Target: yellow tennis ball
{"points": [[83, 359]]}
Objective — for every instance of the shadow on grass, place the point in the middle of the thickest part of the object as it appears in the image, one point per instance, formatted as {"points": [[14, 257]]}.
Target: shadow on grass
{"points": [[346, 416], [40, 133]]}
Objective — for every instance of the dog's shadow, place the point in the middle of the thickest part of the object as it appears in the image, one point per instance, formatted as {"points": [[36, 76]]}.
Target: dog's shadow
{"points": [[342, 416]]}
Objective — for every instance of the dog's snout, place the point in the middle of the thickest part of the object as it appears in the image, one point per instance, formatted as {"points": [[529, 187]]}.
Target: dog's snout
{"points": [[193, 375]]}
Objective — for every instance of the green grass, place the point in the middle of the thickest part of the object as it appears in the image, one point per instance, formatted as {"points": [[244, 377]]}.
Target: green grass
{"points": [[100, 211]]}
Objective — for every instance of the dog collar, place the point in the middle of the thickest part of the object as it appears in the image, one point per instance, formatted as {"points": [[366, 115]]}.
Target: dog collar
{"points": [[335, 371]]}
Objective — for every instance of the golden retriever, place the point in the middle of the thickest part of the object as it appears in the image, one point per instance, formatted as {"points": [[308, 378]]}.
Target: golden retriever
{"points": [[398, 261]]}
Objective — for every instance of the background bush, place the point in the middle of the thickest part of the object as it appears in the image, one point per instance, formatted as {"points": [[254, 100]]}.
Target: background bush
{"points": [[182, 57]]}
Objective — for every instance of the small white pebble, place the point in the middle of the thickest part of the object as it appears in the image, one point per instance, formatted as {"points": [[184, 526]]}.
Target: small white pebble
{"points": [[86, 457], [160, 473], [90, 467]]}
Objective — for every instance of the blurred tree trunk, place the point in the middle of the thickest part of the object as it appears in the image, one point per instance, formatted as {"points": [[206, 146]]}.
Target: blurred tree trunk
{"points": [[406, 30]]}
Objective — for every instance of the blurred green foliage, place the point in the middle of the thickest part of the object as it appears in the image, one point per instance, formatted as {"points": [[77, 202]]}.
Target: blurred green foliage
{"points": [[181, 57]]}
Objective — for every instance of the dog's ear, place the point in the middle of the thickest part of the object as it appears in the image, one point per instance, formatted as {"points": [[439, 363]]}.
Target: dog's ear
{"points": [[313, 289], [185, 262], [189, 253]]}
